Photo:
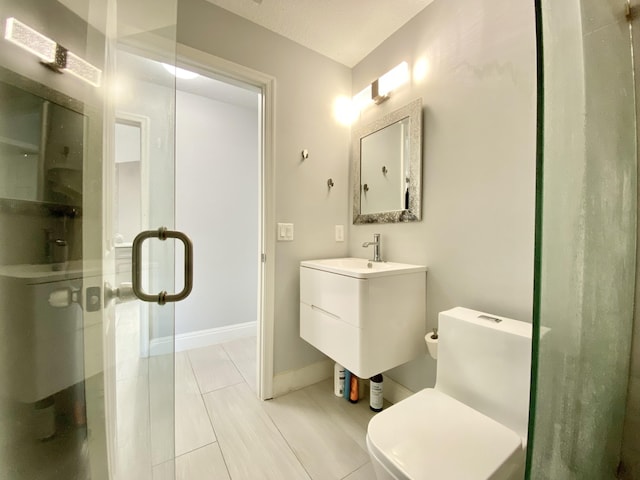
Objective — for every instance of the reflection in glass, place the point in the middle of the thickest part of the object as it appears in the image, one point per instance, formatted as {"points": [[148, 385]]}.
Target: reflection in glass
{"points": [[386, 169], [41, 149], [44, 382]]}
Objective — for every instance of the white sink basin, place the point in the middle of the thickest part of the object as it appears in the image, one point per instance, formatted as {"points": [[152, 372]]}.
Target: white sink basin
{"points": [[361, 267], [50, 272]]}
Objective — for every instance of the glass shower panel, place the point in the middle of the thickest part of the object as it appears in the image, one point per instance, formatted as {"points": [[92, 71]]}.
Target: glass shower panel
{"points": [[52, 422], [61, 378], [586, 241], [142, 198]]}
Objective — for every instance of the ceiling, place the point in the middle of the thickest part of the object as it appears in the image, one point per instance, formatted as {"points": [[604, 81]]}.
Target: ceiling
{"points": [[222, 91], [343, 30], [132, 67]]}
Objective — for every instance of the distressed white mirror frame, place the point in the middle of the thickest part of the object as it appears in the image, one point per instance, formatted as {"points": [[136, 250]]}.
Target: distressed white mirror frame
{"points": [[413, 111]]}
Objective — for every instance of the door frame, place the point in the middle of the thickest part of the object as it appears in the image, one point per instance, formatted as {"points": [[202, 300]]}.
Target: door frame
{"points": [[142, 122], [211, 65]]}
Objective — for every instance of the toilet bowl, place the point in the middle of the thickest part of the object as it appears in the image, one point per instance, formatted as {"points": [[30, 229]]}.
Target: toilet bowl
{"points": [[473, 424]]}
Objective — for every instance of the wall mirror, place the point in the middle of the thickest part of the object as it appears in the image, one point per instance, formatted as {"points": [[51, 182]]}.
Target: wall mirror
{"points": [[387, 167], [40, 162]]}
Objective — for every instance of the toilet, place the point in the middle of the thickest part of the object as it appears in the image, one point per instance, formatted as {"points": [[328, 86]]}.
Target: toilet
{"points": [[473, 424]]}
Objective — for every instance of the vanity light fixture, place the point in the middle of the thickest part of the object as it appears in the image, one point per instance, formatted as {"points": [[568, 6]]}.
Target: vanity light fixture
{"points": [[398, 75], [381, 88], [52, 54], [32, 41], [82, 69]]}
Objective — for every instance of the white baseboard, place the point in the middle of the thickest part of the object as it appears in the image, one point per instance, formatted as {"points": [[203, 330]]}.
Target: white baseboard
{"points": [[296, 379], [202, 338], [393, 391]]}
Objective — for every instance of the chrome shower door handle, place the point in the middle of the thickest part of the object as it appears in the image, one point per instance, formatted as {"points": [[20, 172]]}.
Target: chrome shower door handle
{"points": [[136, 265]]}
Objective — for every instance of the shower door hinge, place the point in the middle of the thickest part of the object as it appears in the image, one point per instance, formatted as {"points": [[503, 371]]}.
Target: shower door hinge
{"points": [[263, 257], [629, 12]]}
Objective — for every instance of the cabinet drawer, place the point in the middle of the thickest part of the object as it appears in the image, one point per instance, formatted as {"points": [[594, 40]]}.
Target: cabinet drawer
{"points": [[333, 337], [338, 295]]}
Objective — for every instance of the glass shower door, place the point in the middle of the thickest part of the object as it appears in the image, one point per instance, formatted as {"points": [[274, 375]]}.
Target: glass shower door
{"points": [[586, 240], [70, 405], [140, 196]]}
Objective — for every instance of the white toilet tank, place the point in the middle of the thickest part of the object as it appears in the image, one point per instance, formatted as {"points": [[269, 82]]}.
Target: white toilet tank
{"points": [[484, 361]]}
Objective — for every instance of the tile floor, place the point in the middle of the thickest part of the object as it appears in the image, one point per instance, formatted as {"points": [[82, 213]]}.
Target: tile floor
{"points": [[222, 430]]}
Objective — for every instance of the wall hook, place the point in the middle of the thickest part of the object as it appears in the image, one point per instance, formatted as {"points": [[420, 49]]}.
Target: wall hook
{"points": [[330, 183], [384, 170], [304, 154]]}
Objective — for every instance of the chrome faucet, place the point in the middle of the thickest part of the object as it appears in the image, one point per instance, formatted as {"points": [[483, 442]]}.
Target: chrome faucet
{"points": [[56, 249], [376, 247]]}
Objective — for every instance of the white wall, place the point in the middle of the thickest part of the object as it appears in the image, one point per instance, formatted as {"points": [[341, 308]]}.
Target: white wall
{"points": [[217, 167], [479, 123], [306, 86], [477, 231]]}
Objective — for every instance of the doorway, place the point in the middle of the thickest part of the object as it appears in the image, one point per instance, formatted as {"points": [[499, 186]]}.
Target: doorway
{"points": [[245, 87], [221, 174], [217, 184]]}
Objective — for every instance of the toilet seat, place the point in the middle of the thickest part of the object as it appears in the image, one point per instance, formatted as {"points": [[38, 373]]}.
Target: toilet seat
{"points": [[433, 436]]}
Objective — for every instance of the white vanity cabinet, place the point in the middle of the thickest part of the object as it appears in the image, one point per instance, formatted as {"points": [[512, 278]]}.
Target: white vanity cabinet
{"points": [[367, 316], [49, 346]]}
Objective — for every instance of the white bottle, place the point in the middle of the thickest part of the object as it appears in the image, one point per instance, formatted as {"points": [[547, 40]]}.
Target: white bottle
{"points": [[338, 380]]}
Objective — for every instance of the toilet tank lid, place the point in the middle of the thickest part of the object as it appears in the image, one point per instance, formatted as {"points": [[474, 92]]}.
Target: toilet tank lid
{"points": [[432, 432], [488, 320]]}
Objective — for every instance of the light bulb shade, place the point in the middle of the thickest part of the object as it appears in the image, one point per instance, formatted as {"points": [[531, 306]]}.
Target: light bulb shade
{"points": [[380, 89], [393, 79], [32, 41], [82, 69]]}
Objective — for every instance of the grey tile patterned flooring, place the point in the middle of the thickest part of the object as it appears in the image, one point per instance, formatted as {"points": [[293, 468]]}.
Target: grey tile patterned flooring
{"points": [[307, 434], [222, 430]]}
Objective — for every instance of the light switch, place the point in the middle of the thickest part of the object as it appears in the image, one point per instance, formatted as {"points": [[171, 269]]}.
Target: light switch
{"points": [[285, 232], [339, 233]]}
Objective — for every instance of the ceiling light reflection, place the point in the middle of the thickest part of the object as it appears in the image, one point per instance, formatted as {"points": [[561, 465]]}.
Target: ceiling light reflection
{"points": [[180, 72]]}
